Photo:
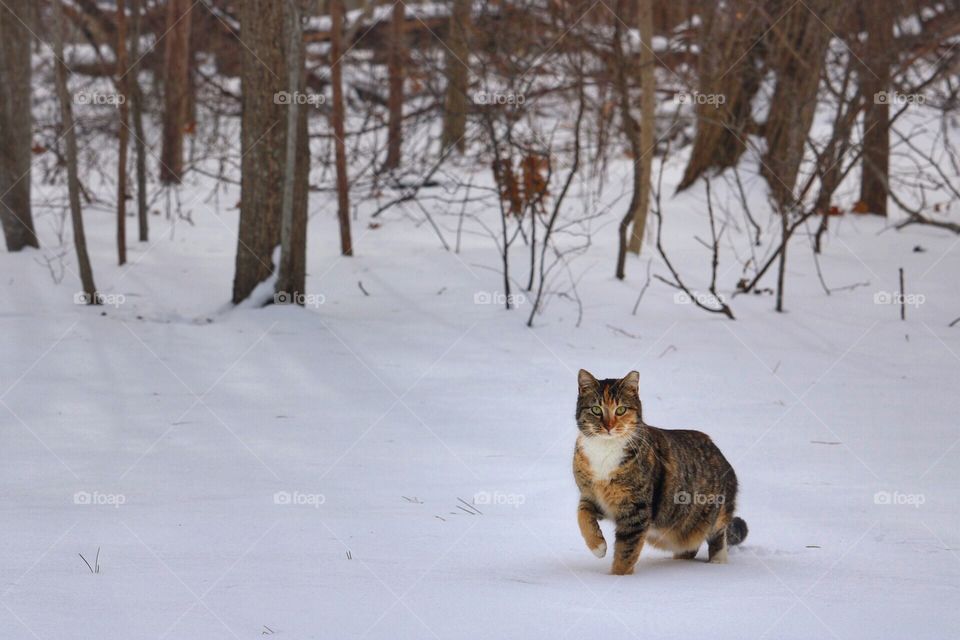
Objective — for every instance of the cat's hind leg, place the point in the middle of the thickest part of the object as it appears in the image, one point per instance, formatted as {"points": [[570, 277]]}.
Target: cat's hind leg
{"points": [[717, 547], [685, 555]]}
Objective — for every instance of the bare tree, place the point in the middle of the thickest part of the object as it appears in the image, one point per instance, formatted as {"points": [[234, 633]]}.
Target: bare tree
{"points": [[70, 135], [176, 87], [631, 130], [648, 109], [123, 132], [339, 130], [456, 54], [292, 270], [16, 125], [875, 83], [397, 57], [797, 54], [262, 145], [730, 64], [136, 104]]}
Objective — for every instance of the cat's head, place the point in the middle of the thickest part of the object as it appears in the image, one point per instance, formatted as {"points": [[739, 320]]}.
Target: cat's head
{"points": [[608, 408]]}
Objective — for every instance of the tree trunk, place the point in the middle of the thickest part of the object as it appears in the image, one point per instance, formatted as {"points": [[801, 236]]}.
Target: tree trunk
{"points": [[730, 65], [292, 271], [456, 54], [176, 88], [123, 132], [262, 142], [336, 78], [874, 82], [136, 100], [797, 53], [70, 135], [632, 133], [16, 124], [648, 128], [301, 194], [395, 100]]}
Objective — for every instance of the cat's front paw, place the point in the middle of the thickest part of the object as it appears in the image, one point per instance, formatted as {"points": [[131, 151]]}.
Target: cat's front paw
{"points": [[600, 550]]}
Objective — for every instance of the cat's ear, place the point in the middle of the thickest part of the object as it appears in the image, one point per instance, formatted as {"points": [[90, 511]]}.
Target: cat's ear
{"points": [[631, 381], [586, 380]]}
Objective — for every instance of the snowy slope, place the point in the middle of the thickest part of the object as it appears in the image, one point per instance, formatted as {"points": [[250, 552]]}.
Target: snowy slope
{"points": [[303, 472]]}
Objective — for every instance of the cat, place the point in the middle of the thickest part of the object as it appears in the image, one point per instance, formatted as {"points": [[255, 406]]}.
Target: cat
{"points": [[672, 489]]}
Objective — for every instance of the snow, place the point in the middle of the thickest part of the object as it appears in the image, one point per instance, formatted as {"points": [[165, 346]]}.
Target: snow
{"points": [[309, 473], [194, 417]]}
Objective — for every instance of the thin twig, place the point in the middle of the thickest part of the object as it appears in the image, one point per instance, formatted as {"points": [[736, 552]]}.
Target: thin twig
{"points": [[643, 290], [903, 303]]}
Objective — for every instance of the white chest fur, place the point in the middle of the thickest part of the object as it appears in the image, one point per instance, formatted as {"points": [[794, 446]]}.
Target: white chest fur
{"points": [[603, 454]]}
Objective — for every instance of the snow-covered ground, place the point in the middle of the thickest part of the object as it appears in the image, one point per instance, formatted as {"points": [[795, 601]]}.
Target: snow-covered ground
{"points": [[306, 473]]}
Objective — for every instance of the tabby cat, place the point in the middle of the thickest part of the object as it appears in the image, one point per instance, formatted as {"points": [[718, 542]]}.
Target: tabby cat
{"points": [[672, 489]]}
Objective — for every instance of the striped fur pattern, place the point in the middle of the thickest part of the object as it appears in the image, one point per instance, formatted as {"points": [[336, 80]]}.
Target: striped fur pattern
{"points": [[672, 489]]}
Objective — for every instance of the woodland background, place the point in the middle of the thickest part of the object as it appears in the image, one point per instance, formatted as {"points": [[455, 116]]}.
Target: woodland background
{"points": [[389, 105]]}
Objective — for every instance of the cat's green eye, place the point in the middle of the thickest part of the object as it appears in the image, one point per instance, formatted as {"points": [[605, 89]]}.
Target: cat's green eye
{"points": [[621, 411], [596, 410]]}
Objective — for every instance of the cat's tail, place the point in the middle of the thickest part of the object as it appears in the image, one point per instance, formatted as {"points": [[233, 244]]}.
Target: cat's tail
{"points": [[736, 531]]}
